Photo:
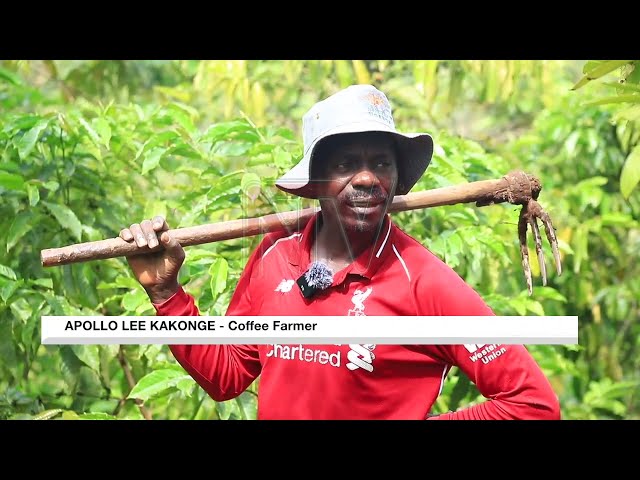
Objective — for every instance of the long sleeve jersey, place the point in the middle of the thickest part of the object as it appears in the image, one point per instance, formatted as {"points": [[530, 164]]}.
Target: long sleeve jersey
{"points": [[396, 276]]}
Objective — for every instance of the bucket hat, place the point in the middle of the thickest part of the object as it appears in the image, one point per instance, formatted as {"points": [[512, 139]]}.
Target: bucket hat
{"points": [[355, 109]]}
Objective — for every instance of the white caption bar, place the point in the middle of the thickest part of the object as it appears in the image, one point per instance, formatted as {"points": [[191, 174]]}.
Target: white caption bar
{"points": [[380, 330]]}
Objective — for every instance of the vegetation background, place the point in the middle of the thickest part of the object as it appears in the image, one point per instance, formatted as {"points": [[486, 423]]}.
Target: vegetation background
{"points": [[89, 147]]}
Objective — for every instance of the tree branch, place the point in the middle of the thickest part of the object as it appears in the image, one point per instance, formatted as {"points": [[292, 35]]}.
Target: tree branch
{"points": [[146, 413]]}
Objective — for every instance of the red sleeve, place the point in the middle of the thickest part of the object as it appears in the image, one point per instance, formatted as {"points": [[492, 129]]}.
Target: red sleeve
{"points": [[224, 371], [507, 375]]}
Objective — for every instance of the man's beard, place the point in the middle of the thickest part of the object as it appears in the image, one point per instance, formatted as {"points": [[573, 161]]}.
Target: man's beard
{"points": [[363, 227]]}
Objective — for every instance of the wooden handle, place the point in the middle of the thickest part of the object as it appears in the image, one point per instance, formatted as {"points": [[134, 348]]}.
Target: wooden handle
{"points": [[515, 188], [187, 236]]}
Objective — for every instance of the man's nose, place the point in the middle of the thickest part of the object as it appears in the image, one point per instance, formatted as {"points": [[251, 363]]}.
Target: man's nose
{"points": [[365, 178]]}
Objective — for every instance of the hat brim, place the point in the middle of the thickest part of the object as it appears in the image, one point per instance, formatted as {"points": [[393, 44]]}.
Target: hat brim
{"points": [[415, 151]]}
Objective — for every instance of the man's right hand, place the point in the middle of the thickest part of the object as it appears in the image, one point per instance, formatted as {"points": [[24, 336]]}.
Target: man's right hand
{"points": [[157, 272]]}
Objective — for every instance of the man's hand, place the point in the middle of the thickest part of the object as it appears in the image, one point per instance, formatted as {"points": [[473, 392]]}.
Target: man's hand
{"points": [[157, 272]]}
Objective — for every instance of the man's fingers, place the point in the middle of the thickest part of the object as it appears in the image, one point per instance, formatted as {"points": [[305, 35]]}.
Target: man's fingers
{"points": [[159, 223], [144, 233], [172, 246], [138, 235], [126, 234], [149, 233]]}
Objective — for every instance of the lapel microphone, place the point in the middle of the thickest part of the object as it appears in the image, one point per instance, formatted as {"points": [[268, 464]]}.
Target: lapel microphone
{"points": [[318, 277]]}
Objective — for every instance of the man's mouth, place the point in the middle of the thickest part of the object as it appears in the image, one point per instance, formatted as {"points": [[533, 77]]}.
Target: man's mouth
{"points": [[364, 203], [366, 207]]}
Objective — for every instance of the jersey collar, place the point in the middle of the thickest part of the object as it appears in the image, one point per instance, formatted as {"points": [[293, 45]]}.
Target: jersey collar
{"points": [[365, 265]]}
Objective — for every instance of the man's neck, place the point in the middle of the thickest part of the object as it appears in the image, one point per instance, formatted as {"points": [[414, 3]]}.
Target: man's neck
{"points": [[340, 247]]}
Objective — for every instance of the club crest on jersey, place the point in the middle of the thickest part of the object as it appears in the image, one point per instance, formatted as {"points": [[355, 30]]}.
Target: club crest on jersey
{"points": [[359, 296]]}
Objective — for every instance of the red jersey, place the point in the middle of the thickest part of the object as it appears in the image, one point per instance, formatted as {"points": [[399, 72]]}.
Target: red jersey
{"points": [[396, 276]]}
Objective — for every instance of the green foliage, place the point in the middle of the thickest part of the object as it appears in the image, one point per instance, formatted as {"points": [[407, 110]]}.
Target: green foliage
{"points": [[89, 147], [626, 116]]}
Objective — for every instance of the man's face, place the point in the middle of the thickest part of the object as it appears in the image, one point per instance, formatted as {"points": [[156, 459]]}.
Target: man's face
{"points": [[358, 178]]}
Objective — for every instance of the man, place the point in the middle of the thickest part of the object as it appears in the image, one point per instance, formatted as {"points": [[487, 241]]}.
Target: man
{"points": [[351, 260]]}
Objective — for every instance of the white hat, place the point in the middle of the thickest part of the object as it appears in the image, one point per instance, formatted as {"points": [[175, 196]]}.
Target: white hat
{"points": [[358, 108]]}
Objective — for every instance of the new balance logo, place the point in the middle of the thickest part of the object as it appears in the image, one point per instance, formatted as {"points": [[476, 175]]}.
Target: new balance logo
{"points": [[285, 286]]}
